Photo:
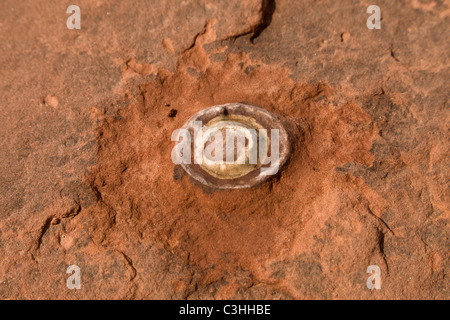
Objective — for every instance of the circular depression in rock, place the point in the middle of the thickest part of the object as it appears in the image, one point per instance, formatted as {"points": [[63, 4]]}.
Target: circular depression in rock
{"points": [[233, 146]]}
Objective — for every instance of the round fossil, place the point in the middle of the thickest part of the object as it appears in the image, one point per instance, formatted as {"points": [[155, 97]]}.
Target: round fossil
{"points": [[234, 146]]}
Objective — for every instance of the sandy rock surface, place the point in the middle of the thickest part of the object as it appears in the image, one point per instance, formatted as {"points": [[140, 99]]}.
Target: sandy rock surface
{"points": [[86, 176]]}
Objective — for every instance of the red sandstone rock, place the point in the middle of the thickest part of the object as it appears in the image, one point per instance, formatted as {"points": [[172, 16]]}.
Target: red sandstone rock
{"points": [[86, 177]]}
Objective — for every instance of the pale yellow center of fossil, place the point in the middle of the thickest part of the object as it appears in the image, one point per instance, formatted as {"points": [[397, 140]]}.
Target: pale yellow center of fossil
{"points": [[236, 154]]}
